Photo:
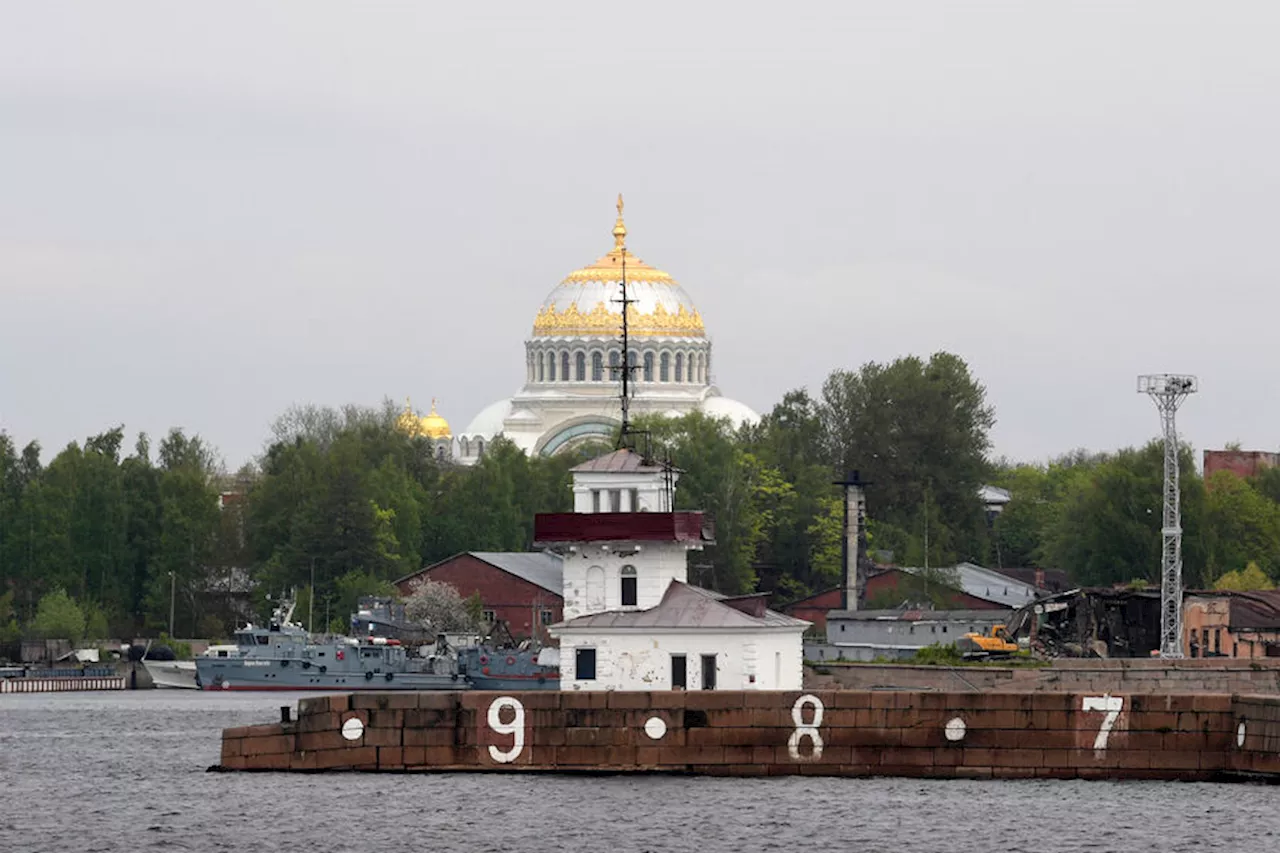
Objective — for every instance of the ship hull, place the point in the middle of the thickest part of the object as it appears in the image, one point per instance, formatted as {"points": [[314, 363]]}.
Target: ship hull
{"points": [[172, 674], [226, 674]]}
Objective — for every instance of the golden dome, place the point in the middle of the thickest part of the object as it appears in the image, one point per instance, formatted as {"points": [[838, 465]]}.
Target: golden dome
{"points": [[584, 302], [434, 426], [430, 425]]}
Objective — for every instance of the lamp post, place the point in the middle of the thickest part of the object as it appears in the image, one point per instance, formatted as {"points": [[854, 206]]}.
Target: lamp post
{"points": [[173, 585]]}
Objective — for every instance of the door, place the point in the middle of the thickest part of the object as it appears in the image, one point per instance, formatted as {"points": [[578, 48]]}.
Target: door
{"points": [[679, 672], [708, 672]]}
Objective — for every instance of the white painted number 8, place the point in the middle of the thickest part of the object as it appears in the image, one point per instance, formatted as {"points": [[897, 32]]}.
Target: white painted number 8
{"points": [[515, 728], [803, 731]]}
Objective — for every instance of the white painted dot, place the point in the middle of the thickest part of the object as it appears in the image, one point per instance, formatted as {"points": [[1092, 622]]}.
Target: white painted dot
{"points": [[1240, 734], [655, 727], [954, 730], [353, 729]]}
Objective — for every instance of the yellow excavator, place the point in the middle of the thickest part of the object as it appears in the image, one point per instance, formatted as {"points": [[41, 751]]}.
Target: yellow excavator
{"points": [[996, 643]]}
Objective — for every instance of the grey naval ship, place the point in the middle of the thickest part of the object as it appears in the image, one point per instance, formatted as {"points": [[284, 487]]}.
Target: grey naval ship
{"points": [[282, 655], [384, 653]]}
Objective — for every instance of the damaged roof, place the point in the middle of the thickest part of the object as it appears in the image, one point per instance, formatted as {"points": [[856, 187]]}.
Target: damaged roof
{"points": [[686, 606]]}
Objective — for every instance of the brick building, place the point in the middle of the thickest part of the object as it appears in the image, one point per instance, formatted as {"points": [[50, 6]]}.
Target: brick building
{"points": [[1231, 624], [1242, 463], [522, 589]]}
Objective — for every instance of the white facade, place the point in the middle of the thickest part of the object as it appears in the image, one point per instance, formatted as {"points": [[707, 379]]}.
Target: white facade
{"points": [[593, 574], [745, 659], [573, 361]]}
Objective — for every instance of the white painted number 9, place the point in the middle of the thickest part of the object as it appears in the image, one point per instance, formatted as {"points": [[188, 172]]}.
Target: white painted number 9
{"points": [[515, 728], [804, 731]]}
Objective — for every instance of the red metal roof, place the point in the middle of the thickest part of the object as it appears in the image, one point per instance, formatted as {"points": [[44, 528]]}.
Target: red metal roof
{"points": [[553, 527]]}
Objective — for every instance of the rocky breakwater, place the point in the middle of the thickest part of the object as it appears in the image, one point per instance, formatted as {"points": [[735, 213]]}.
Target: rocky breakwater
{"points": [[831, 733]]}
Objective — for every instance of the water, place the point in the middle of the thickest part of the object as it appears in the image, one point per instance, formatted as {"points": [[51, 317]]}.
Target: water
{"points": [[126, 771]]}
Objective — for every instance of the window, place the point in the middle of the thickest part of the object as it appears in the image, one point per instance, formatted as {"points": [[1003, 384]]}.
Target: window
{"points": [[597, 367], [648, 367], [664, 366], [595, 500], [708, 672], [479, 447], [615, 366], [584, 664], [488, 616], [615, 500], [629, 582], [547, 617], [564, 366], [1217, 641], [466, 447], [679, 672], [551, 367], [679, 367], [581, 360], [635, 500], [542, 369], [702, 369]]}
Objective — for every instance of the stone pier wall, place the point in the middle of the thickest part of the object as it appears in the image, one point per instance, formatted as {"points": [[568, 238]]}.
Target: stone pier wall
{"points": [[834, 733], [1259, 677]]}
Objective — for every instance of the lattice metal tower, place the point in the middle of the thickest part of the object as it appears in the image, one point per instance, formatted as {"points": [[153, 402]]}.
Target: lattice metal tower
{"points": [[1169, 391]]}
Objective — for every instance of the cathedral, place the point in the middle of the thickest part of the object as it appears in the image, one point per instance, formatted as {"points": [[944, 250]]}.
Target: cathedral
{"points": [[573, 359]]}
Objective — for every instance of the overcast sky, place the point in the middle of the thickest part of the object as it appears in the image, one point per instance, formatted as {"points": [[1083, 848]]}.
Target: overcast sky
{"points": [[208, 214]]}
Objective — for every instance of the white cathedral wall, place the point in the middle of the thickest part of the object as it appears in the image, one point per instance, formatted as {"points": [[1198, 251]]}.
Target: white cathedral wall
{"points": [[593, 575], [764, 659]]}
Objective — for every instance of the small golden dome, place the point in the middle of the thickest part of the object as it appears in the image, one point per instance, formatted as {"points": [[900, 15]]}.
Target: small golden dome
{"points": [[430, 425], [434, 426]]}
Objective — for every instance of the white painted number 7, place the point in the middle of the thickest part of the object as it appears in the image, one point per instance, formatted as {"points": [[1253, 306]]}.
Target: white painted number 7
{"points": [[1111, 706]]}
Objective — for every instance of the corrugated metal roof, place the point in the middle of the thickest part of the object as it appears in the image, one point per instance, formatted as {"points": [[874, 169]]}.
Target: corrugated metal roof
{"points": [[990, 585], [541, 568], [685, 606], [918, 615]]}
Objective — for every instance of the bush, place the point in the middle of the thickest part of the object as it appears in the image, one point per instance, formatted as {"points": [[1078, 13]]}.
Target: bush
{"points": [[58, 617], [938, 655]]}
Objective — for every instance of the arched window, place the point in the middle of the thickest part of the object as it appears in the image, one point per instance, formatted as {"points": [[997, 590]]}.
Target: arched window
{"points": [[551, 367], [440, 453], [466, 447], [629, 584], [479, 447], [664, 367], [542, 368], [679, 367], [633, 359], [648, 367], [582, 367], [690, 377], [702, 369], [615, 366], [564, 366], [597, 367]]}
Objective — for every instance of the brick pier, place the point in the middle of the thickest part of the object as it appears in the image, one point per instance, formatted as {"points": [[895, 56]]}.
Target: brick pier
{"points": [[831, 733]]}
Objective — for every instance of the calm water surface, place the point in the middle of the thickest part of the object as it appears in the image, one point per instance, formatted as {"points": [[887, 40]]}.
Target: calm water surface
{"points": [[126, 771]]}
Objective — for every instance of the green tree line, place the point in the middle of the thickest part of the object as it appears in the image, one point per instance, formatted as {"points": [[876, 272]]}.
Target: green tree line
{"points": [[344, 499]]}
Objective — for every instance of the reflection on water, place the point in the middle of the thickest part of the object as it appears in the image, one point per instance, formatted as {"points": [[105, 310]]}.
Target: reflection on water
{"points": [[126, 771]]}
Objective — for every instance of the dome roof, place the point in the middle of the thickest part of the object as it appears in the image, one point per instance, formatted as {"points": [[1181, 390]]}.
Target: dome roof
{"points": [[584, 303], [490, 420], [737, 413], [430, 425]]}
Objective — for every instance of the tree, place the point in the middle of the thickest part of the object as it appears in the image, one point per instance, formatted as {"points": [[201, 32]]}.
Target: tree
{"points": [[918, 431], [1248, 579], [58, 617], [1108, 528], [1240, 526], [439, 609]]}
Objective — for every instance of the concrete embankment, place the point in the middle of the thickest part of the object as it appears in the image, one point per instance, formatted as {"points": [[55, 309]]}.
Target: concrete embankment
{"points": [[832, 733], [1134, 675]]}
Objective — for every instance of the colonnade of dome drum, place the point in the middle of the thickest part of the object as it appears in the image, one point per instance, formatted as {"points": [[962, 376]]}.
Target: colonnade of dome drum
{"points": [[686, 364]]}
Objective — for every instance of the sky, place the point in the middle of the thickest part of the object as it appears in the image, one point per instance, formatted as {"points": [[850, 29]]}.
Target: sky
{"points": [[211, 212]]}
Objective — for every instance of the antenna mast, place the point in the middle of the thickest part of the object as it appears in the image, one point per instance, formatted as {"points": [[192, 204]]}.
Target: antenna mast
{"points": [[620, 246], [1169, 391]]}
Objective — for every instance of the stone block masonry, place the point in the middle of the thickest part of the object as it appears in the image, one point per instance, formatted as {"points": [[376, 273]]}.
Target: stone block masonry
{"points": [[759, 733]]}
